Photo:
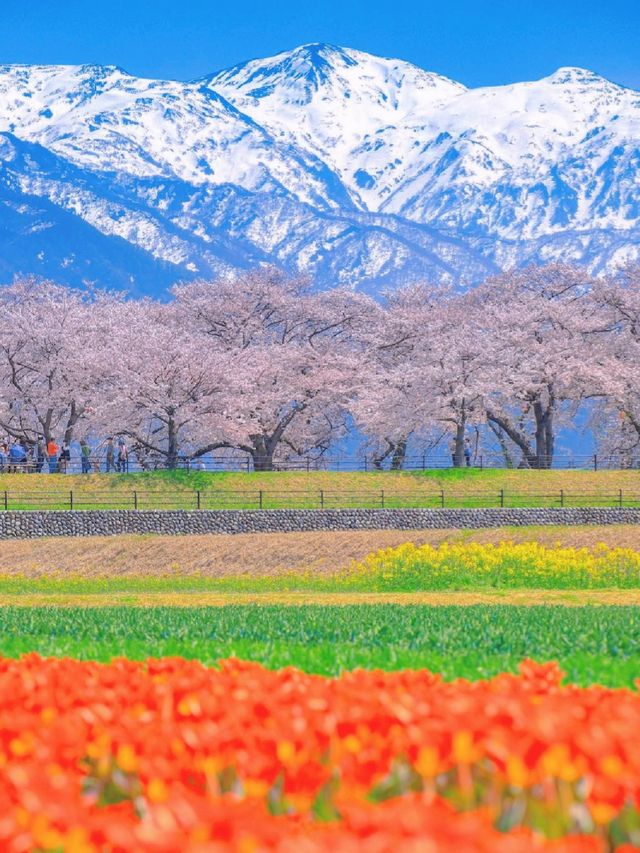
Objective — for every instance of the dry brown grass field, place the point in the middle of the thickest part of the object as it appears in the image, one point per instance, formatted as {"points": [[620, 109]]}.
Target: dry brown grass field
{"points": [[267, 554]]}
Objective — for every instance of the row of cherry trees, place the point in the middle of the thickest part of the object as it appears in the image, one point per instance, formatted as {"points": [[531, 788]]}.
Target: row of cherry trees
{"points": [[268, 366]]}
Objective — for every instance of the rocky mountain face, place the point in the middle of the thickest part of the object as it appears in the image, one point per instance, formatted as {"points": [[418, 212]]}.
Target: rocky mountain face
{"points": [[345, 166]]}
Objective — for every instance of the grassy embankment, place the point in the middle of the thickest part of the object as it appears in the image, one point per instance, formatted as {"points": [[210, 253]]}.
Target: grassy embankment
{"points": [[461, 488]]}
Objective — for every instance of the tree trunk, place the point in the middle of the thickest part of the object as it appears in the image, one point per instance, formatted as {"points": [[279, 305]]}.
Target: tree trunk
{"points": [[542, 455], [399, 455], [508, 459], [632, 420], [74, 417], [517, 437], [172, 449], [264, 445], [377, 461], [549, 428], [262, 453], [544, 431], [46, 426], [379, 458], [458, 453], [398, 452]]}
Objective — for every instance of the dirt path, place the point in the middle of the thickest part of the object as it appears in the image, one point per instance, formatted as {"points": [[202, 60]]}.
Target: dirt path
{"points": [[567, 598], [261, 554]]}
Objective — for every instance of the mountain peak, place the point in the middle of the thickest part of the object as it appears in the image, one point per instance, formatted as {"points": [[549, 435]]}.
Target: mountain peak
{"points": [[312, 63], [321, 52], [568, 75], [103, 71], [306, 69]]}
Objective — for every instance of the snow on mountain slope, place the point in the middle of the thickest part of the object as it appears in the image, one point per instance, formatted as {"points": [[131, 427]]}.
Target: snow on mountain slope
{"points": [[529, 160], [351, 109], [516, 162], [103, 119], [58, 220], [325, 160]]}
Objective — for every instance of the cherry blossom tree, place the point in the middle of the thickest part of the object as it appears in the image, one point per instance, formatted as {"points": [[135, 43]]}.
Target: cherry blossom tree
{"points": [[294, 355], [381, 403], [50, 338], [429, 376], [539, 321], [613, 362], [167, 392], [268, 366], [455, 365]]}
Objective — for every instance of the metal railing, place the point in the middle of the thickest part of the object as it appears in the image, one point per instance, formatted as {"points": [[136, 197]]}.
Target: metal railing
{"points": [[317, 499], [353, 463]]}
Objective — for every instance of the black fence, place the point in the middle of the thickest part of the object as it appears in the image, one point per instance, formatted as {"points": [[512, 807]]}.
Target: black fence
{"points": [[263, 499], [354, 463]]}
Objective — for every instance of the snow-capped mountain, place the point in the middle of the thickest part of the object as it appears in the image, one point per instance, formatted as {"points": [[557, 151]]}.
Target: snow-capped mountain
{"points": [[345, 166], [347, 107]]}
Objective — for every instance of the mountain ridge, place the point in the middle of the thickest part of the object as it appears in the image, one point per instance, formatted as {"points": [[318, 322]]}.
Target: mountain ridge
{"points": [[328, 161]]}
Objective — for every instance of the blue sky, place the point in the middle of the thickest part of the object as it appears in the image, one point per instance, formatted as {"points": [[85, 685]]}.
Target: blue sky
{"points": [[475, 42]]}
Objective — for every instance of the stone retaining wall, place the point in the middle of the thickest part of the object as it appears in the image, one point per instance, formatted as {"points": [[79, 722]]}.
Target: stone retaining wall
{"points": [[33, 525]]}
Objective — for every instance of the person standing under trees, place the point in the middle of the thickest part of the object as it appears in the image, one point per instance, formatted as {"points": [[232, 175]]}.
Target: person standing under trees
{"points": [[4, 456], [65, 457], [52, 453], [461, 450], [85, 456], [40, 457], [17, 457]]}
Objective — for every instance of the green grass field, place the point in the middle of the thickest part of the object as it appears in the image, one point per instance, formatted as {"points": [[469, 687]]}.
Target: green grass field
{"points": [[314, 490], [592, 644]]}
